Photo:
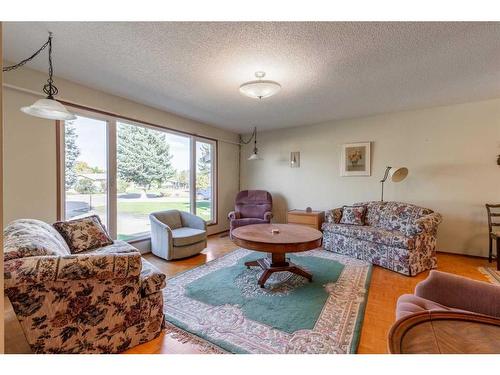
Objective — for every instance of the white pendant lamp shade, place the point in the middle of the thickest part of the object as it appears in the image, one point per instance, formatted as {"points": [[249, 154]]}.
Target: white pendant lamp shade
{"points": [[260, 88], [49, 109], [254, 156], [398, 174]]}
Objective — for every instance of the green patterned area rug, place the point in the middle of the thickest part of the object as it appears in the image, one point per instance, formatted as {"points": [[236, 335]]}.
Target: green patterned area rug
{"points": [[491, 273], [220, 306]]}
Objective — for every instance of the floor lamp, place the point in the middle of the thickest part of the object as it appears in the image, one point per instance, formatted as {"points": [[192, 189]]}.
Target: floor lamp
{"points": [[395, 174]]}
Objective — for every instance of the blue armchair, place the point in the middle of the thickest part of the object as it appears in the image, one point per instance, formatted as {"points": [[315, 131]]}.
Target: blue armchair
{"points": [[176, 234]]}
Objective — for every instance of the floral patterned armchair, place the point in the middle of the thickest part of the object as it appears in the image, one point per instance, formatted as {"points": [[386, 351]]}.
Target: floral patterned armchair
{"points": [[102, 301], [398, 236]]}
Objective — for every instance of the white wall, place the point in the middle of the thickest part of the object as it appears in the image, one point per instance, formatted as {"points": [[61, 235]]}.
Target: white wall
{"points": [[450, 152], [30, 146]]}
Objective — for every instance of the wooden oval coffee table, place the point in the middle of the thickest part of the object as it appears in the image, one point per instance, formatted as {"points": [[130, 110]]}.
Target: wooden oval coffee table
{"points": [[445, 332], [290, 238]]}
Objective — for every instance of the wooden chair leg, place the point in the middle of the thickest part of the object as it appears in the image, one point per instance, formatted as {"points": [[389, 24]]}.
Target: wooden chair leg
{"points": [[498, 253], [490, 254]]}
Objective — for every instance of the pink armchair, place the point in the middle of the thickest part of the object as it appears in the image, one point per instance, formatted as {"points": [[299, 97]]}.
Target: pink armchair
{"points": [[445, 291], [251, 207]]}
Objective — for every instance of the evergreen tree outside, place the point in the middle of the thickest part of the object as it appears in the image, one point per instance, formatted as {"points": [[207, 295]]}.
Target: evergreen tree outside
{"points": [[72, 153], [143, 156], [204, 164]]}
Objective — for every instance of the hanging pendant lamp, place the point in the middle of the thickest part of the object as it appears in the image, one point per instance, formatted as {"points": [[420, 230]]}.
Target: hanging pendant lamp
{"points": [[47, 108]]}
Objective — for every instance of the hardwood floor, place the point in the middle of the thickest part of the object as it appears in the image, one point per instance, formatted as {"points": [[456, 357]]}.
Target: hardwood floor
{"points": [[386, 287]]}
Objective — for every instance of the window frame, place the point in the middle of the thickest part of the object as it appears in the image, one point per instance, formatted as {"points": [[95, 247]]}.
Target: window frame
{"points": [[111, 163], [213, 164]]}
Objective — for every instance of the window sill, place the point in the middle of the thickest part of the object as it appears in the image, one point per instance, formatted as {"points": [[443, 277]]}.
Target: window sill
{"points": [[139, 239]]}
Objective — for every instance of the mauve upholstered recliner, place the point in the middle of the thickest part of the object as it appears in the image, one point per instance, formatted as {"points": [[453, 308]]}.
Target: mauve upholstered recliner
{"points": [[251, 207], [445, 291]]}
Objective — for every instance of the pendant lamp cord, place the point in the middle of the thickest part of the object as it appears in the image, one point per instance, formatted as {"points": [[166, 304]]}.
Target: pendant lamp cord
{"points": [[253, 136], [49, 87]]}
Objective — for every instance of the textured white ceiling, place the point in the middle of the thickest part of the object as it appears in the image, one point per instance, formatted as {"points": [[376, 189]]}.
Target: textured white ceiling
{"points": [[328, 71]]}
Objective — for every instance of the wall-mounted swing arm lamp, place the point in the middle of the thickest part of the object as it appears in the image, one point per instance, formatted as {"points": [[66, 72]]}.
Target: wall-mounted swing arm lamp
{"points": [[395, 174], [47, 108], [255, 155]]}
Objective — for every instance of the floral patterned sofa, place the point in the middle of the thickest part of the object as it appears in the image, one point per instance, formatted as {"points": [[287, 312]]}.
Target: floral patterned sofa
{"points": [[397, 236], [102, 301]]}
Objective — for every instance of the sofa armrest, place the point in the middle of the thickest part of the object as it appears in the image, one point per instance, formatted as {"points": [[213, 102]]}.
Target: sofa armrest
{"points": [[428, 223], [151, 279], [233, 215], [192, 221], [268, 215], [42, 269], [460, 293], [333, 216]]}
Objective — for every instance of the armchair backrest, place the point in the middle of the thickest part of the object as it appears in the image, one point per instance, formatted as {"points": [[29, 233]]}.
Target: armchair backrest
{"points": [[170, 217], [253, 203]]}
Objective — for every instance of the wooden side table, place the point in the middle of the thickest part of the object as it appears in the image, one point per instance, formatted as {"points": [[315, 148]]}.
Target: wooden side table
{"points": [[445, 332], [312, 219]]}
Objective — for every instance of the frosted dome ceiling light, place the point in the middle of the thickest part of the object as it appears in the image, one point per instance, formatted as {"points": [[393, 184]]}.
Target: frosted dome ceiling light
{"points": [[260, 88]]}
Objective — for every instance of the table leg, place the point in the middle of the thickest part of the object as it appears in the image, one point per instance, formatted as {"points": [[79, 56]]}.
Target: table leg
{"points": [[252, 263], [276, 262], [263, 278], [299, 271]]}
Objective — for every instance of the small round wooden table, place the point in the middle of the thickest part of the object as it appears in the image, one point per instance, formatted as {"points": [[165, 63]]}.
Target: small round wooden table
{"points": [[446, 332], [288, 238]]}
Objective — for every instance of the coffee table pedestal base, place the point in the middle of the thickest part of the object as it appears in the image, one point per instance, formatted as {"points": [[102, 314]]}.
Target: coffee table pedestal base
{"points": [[276, 262]]}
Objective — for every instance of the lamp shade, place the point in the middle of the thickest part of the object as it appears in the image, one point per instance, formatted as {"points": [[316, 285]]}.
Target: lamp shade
{"points": [[254, 156], [398, 174], [49, 109], [260, 89]]}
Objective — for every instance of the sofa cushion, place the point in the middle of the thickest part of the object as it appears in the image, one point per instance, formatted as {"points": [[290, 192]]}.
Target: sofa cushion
{"points": [[117, 247], [373, 211], [83, 234], [29, 237], [353, 215], [334, 215], [410, 304], [372, 234], [187, 236], [151, 279], [400, 216]]}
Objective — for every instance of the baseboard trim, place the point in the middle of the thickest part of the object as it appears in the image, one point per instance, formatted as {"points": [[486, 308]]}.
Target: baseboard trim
{"points": [[464, 255]]}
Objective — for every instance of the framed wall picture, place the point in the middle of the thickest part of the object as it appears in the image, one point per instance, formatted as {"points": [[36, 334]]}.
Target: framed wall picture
{"points": [[355, 159]]}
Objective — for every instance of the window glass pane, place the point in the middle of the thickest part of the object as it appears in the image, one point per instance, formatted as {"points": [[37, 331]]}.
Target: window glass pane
{"points": [[152, 175], [204, 188], [85, 169]]}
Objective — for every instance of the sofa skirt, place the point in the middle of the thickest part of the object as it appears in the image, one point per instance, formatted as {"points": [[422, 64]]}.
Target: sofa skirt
{"points": [[408, 262]]}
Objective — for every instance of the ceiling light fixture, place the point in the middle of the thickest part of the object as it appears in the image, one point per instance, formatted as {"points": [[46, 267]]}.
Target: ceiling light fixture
{"points": [[47, 108], [260, 88]]}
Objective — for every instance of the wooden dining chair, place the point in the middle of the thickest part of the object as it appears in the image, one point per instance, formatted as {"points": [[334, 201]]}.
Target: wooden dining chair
{"points": [[494, 230]]}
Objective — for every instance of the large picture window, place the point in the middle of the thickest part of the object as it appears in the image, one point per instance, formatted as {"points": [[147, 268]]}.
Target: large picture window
{"points": [[86, 178], [123, 171]]}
